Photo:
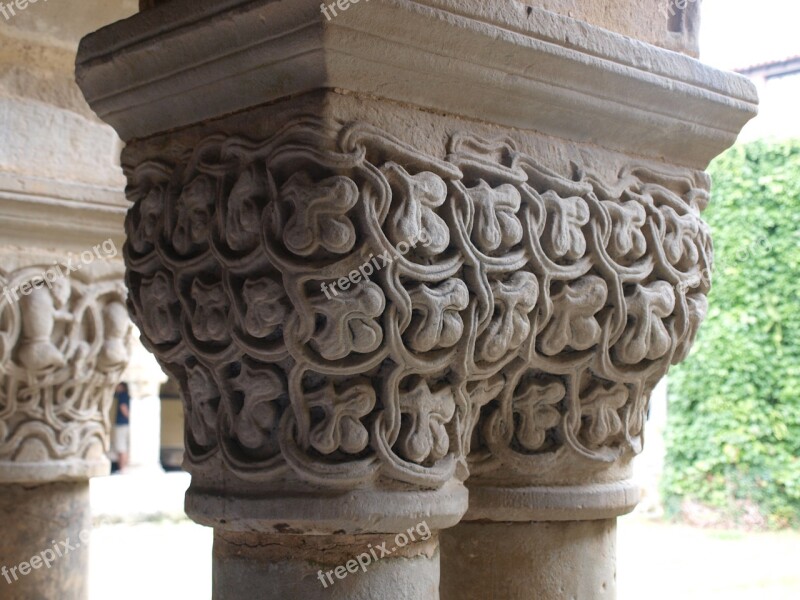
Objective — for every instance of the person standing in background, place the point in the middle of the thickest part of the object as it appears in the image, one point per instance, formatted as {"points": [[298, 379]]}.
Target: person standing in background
{"points": [[121, 438]]}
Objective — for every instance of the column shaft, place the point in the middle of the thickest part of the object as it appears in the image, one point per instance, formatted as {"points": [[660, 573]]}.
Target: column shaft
{"points": [[572, 560], [325, 567], [43, 549]]}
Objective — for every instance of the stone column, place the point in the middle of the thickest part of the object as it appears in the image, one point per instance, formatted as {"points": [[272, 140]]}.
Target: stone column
{"points": [[63, 347], [144, 378], [63, 323], [384, 247]]}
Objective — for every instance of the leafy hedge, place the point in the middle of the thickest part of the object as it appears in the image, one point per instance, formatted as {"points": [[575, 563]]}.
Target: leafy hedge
{"points": [[733, 436]]}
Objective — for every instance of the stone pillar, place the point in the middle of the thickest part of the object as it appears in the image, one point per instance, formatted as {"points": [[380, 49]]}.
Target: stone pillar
{"points": [[144, 378], [63, 347], [63, 321], [44, 552], [528, 560], [388, 247]]}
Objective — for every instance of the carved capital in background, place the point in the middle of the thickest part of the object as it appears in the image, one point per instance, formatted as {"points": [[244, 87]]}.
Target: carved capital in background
{"points": [[64, 340]]}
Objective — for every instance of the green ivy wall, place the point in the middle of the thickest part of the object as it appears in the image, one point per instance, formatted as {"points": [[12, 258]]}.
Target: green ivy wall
{"points": [[733, 436]]}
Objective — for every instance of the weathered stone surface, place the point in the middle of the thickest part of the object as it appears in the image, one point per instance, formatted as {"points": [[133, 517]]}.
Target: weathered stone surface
{"points": [[51, 518], [33, 69], [317, 567], [544, 261], [547, 298], [57, 159], [65, 23], [63, 348], [490, 61], [530, 561], [671, 24]]}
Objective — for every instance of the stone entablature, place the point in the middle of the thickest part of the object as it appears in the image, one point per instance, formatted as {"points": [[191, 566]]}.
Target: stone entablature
{"points": [[505, 63]]}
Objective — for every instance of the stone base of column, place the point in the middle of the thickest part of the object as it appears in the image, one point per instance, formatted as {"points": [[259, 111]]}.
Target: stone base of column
{"points": [[334, 567], [570, 560], [43, 552]]}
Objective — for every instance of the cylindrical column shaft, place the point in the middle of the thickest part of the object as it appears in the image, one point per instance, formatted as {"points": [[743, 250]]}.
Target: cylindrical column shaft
{"points": [[362, 567], [43, 547], [573, 560]]}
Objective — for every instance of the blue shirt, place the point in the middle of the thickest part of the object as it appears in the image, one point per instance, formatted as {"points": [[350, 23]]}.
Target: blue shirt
{"points": [[122, 398]]}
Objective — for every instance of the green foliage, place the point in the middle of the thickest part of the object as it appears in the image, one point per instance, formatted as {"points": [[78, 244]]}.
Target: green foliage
{"points": [[734, 430]]}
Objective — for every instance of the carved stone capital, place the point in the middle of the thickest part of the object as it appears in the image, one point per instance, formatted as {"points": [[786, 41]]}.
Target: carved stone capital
{"points": [[380, 268], [349, 313], [63, 347]]}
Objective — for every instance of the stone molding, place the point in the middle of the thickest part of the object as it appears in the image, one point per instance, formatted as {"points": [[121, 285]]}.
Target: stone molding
{"points": [[78, 215], [506, 63], [321, 512], [590, 502], [61, 186], [62, 352]]}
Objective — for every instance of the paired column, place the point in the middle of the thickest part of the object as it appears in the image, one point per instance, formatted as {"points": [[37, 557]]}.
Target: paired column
{"points": [[385, 274]]}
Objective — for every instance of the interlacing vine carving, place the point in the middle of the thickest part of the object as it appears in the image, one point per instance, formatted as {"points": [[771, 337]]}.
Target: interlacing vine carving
{"points": [[531, 328], [63, 349]]}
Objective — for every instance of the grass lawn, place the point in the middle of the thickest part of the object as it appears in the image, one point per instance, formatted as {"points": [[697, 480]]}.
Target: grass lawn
{"points": [[663, 561]]}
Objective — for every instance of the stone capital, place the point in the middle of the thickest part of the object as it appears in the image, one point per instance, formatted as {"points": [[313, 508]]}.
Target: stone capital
{"points": [[412, 249], [380, 267], [63, 348], [348, 312]]}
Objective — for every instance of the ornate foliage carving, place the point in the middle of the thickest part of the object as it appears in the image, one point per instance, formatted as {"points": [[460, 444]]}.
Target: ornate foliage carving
{"points": [[529, 330], [63, 350]]}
